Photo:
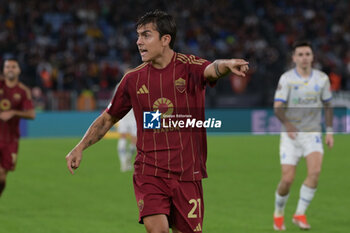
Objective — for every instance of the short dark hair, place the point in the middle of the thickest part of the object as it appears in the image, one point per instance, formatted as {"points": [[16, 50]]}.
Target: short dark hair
{"points": [[165, 24], [301, 43], [10, 59]]}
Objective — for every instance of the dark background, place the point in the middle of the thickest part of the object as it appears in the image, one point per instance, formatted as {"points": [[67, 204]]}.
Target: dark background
{"points": [[80, 49]]}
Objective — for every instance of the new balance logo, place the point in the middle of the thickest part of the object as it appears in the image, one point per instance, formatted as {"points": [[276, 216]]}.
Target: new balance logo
{"points": [[198, 228], [143, 90]]}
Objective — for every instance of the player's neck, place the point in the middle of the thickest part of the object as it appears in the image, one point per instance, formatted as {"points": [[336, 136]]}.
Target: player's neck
{"points": [[11, 83], [164, 59], [304, 72]]}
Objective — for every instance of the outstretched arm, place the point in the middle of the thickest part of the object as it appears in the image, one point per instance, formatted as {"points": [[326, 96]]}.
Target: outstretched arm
{"points": [[95, 133], [222, 67]]}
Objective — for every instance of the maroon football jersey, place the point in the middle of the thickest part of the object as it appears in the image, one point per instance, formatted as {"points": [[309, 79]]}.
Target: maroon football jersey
{"points": [[15, 98], [179, 88]]}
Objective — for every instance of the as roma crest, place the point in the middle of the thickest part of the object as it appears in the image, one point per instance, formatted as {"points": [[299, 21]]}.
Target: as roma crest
{"points": [[180, 84]]}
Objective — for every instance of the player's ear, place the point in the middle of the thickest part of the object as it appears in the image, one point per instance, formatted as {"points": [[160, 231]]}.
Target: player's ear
{"points": [[166, 39]]}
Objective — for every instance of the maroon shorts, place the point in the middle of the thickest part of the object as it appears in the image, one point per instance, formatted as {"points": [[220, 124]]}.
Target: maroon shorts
{"points": [[181, 201], [8, 155]]}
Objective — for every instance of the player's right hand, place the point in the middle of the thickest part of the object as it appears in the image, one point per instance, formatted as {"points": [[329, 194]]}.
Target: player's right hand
{"points": [[291, 130], [238, 66], [73, 160], [329, 140]]}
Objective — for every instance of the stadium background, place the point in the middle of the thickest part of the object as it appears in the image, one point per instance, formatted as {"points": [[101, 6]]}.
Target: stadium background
{"points": [[75, 50], [72, 55]]}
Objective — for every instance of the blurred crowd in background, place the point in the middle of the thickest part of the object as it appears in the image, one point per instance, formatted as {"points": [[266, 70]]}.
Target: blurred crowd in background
{"points": [[73, 53]]}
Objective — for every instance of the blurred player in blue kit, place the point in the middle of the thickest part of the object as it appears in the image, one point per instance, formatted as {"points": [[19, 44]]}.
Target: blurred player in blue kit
{"points": [[301, 94]]}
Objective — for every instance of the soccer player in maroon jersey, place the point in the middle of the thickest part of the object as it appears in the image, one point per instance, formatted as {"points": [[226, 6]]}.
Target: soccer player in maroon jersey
{"points": [[170, 163], [15, 103]]}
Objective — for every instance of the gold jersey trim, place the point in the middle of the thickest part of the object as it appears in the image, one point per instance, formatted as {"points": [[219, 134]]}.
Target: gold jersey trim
{"points": [[191, 59]]}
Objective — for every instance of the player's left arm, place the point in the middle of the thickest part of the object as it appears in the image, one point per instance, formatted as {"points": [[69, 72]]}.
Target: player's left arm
{"points": [[221, 67], [328, 112]]}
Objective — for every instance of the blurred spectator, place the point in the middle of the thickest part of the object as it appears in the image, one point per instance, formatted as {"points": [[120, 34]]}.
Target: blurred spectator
{"points": [[335, 81], [39, 100], [86, 101], [239, 84]]}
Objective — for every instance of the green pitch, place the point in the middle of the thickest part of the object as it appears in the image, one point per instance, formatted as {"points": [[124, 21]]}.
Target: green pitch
{"points": [[42, 197]]}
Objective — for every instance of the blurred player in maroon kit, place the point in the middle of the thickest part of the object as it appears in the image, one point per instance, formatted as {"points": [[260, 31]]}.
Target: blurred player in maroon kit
{"points": [[15, 103], [169, 164]]}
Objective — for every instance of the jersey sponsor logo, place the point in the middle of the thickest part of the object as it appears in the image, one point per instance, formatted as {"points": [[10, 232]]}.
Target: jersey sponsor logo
{"points": [[151, 120], [5, 104], [180, 84], [164, 105], [306, 100], [143, 90]]}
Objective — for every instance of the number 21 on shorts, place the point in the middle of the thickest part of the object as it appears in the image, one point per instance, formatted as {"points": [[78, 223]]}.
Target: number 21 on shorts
{"points": [[196, 208]]}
